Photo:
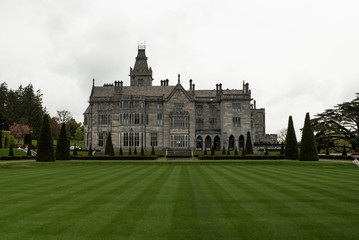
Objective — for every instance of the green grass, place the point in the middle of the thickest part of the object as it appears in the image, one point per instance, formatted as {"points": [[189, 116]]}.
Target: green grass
{"points": [[179, 200], [5, 152]]}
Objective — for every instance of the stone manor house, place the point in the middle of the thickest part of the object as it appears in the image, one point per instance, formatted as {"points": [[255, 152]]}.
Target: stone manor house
{"points": [[170, 116]]}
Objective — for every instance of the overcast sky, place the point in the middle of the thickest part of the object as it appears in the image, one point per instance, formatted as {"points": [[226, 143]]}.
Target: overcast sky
{"points": [[297, 56]]}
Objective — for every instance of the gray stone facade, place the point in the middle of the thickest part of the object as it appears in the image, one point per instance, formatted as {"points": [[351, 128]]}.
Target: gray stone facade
{"points": [[170, 116]]}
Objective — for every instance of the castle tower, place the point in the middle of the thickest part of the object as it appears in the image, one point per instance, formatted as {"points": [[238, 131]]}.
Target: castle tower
{"points": [[141, 75]]}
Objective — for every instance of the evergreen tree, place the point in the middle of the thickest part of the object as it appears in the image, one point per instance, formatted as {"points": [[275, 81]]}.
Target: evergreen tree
{"points": [[282, 148], [27, 139], [266, 153], [142, 151], [109, 146], [129, 151], [90, 151], [291, 144], [45, 150], [308, 150], [135, 151], [344, 153], [62, 148], [249, 147], [121, 152], [212, 151], [153, 151], [0, 138], [223, 151], [11, 151], [205, 151], [228, 152]]}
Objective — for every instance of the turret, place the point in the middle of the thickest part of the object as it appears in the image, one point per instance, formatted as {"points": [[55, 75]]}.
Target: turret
{"points": [[141, 75]]}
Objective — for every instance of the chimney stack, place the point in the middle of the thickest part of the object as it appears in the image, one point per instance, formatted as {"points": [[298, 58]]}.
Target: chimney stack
{"points": [[190, 84]]}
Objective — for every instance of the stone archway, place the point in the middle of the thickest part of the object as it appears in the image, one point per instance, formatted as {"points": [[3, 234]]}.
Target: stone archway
{"points": [[208, 142], [199, 143], [231, 143], [217, 143]]}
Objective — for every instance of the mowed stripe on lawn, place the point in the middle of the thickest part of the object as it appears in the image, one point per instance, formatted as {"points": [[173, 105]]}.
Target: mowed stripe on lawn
{"points": [[179, 201]]}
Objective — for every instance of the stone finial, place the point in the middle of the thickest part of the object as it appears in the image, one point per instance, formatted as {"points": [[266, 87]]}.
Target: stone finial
{"points": [[93, 82], [179, 78]]}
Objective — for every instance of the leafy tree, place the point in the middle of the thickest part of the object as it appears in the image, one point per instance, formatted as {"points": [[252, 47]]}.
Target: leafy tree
{"points": [[19, 130], [11, 151], [282, 134], [291, 144], [79, 134], [55, 128], [109, 145], [45, 150], [308, 150], [72, 127], [62, 148], [249, 146], [338, 123]]}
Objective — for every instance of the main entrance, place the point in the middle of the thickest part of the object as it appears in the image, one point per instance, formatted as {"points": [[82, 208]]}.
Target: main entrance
{"points": [[179, 141]]}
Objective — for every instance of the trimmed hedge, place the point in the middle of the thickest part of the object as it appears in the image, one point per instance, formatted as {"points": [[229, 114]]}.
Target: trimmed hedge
{"points": [[118, 157], [17, 157], [237, 157], [339, 157]]}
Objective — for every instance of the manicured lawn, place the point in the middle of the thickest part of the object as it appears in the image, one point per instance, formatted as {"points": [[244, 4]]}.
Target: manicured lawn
{"points": [[179, 200], [5, 152]]}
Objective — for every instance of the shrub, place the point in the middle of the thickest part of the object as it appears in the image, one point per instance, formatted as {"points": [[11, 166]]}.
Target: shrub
{"points": [[45, 150], [249, 146], [291, 144], [308, 150], [62, 147]]}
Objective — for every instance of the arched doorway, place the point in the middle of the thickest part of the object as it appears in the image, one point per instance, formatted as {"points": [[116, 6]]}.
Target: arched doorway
{"points": [[231, 142], [241, 143], [217, 143], [208, 143], [199, 143]]}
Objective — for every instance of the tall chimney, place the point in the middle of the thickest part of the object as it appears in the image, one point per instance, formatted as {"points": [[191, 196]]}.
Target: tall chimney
{"points": [[190, 84]]}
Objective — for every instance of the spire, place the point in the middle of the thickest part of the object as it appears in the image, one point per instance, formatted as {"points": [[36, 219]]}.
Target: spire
{"points": [[141, 75]]}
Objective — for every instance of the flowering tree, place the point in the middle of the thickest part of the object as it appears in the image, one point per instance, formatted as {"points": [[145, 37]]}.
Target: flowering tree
{"points": [[19, 130]]}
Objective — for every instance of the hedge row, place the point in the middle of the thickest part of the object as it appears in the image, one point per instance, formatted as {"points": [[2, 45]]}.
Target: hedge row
{"points": [[118, 157], [340, 157], [237, 157], [17, 157]]}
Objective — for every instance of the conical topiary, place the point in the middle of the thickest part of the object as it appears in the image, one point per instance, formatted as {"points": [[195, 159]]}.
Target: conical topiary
{"points": [[228, 152], [291, 144], [129, 151], [109, 146], [282, 148], [249, 147], [75, 150], [235, 150], [28, 153], [142, 151], [212, 151], [0, 139], [205, 151], [121, 152], [90, 151], [135, 151], [223, 151], [62, 148], [45, 149], [308, 150], [153, 151]]}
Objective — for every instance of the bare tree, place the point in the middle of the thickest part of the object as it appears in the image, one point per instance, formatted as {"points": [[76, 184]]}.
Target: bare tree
{"points": [[63, 116], [282, 134]]}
